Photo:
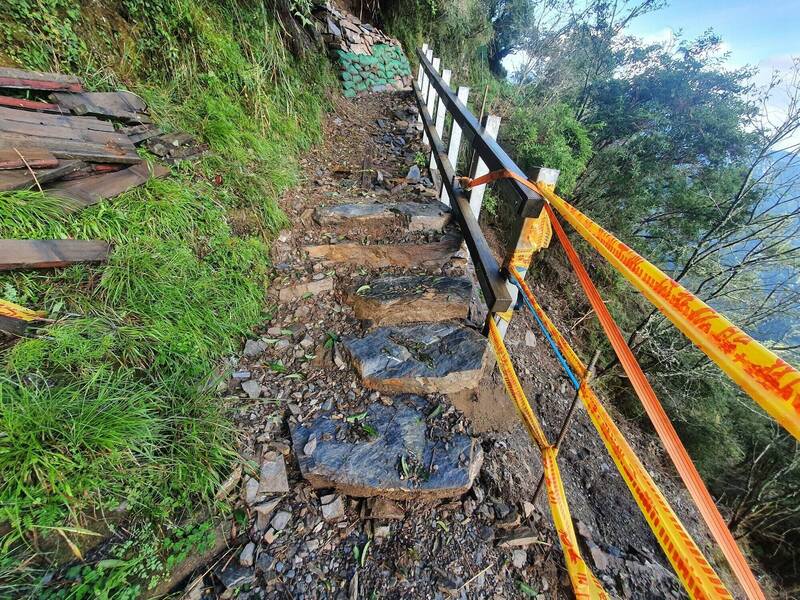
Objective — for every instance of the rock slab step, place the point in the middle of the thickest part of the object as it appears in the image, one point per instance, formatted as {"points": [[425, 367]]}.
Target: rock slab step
{"points": [[416, 216], [380, 256], [429, 358], [412, 298], [398, 459]]}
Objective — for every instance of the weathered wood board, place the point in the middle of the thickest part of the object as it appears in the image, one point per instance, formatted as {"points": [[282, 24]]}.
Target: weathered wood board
{"points": [[35, 80], [124, 106], [45, 254], [24, 157], [140, 133], [22, 179], [11, 102], [91, 190], [59, 120]]}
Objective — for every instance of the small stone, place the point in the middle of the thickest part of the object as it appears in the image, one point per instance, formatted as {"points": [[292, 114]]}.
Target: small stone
{"points": [[528, 509], [583, 530], [333, 511], [251, 495], [280, 520], [273, 479], [253, 348], [252, 388], [519, 558], [264, 511], [414, 174], [382, 531], [274, 331], [247, 555], [599, 558], [311, 445], [269, 537], [235, 577], [306, 342], [241, 375], [530, 339]]}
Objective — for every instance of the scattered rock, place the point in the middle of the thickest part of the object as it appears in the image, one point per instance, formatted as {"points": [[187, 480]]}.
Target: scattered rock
{"points": [[253, 348], [251, 495], [280, 520], [273, 478], [599, 558], [247, 555], [235, 577], [414, 174], [301, 290], [252, 388], [310, 446], [530, 339], [264, 511], [519, 558], [333, 509]]}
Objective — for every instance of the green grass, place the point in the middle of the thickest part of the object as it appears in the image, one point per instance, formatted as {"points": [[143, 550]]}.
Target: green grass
{"points": [[109, 405]]}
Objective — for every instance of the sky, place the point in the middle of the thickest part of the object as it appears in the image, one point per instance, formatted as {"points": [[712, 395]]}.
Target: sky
{"points": [[763, 33]]}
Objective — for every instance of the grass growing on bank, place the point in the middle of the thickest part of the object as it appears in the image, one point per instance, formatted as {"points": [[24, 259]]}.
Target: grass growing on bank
{"points": [[109, 406]]}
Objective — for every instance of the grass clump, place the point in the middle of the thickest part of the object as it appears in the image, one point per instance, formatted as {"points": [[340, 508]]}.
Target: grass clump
{"points": [[108, 407]]}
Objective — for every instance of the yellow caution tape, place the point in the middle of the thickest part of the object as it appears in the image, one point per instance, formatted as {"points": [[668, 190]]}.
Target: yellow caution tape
{"points": [[584, 583], [769, 380], [692, 568], [15, 311], [536, 235]]}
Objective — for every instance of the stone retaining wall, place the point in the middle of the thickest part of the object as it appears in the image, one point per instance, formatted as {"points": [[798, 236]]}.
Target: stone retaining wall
{"points": [[368, 59]]}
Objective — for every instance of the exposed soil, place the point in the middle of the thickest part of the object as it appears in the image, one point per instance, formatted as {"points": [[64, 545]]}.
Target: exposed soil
{"points": [[449, 548]]}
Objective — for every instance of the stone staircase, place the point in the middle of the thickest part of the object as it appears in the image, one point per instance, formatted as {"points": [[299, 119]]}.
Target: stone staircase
{"points": [[414, 349]]}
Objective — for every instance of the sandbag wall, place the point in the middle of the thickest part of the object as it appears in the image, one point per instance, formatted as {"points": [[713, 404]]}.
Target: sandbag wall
{"points": [[368, 59]]}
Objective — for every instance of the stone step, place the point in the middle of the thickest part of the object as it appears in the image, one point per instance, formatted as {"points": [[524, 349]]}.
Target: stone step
{"points": [[380, 256], [395, 451], [428, 358], [413, 216], [411, 299]]}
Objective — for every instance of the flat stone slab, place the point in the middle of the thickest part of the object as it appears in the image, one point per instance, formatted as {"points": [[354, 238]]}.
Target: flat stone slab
{"points": [[416, 216], [404, 457], [381, 256], [411, 299], [428, 358]]}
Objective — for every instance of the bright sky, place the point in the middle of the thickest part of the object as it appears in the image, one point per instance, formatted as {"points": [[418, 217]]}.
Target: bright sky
{"points": [[765, 33]]}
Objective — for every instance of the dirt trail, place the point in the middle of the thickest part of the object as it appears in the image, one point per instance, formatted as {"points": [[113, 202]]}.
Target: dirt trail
{"points": [[367, 548]]}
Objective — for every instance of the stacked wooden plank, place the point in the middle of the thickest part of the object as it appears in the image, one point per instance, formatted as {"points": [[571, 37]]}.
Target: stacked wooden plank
{"points": [[80, 145]]}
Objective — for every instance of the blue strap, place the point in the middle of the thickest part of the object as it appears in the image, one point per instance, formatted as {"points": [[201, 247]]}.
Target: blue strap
{"points": [[575, 383]]}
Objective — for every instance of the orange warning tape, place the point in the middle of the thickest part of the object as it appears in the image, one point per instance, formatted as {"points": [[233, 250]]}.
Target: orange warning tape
{"points": [[694, 571], [768, 379], [584, 583], [666, 432]]}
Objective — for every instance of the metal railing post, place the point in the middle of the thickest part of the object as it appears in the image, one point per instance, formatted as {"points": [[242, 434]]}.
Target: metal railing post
{"points": [[491, 125]]}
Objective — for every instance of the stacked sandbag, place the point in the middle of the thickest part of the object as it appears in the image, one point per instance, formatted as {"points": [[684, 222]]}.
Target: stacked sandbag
{"points": [[368, 59]]}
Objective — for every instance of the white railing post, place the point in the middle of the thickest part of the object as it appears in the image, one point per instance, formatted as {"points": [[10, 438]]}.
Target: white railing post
{"points": [[440, 114], [421, 71], [454, 145], [430, 96], [422, 83], [491, 125]]}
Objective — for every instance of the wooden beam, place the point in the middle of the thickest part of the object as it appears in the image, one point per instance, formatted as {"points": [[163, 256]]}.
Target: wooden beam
{"points": [[28, 104], [45, 254], [91, 190], [23, 179], [24, 157], [35, 80]]}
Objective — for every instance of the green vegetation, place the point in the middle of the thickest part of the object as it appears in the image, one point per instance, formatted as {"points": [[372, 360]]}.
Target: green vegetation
{"points": [[111, 406], [671, 150]]}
